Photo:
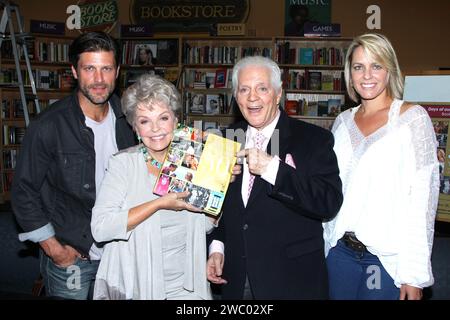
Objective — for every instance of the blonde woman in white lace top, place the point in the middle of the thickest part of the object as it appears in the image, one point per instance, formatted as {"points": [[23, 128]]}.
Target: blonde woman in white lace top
{"points": [[379, 245]]}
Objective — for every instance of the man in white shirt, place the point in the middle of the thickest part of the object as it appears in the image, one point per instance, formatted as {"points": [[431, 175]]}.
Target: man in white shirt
{"points": [[61, 165], [271, 227]]}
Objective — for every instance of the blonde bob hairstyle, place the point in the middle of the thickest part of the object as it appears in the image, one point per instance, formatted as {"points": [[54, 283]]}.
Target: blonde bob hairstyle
{"points": [[379, 49]]}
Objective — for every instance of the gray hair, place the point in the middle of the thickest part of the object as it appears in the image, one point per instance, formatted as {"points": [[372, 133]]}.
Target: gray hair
{"points": [[146, 91], [380, 49], [258, 61]]}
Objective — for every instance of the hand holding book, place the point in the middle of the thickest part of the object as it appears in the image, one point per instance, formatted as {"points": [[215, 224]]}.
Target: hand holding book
{"points": [[176, 201]]}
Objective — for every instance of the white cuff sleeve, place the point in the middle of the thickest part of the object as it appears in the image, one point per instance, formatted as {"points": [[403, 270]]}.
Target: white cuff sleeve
{"points": [[216, 246], [38, 235], [270, 175]]}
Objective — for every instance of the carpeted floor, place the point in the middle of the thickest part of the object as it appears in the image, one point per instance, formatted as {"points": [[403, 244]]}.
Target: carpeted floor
{"points": [[19, 262]]}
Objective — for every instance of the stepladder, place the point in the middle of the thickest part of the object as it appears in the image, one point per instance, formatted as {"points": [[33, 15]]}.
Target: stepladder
{"points": [[10, 21]]}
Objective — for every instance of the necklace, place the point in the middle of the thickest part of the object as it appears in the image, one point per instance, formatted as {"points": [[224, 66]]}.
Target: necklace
{"points": [[148, 157]]}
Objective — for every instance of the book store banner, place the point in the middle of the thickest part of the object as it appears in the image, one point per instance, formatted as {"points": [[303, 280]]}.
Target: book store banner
{"points": [[440, 117], [98, 15], [187, 15]]}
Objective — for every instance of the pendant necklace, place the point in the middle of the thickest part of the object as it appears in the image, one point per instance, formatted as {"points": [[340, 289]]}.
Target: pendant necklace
{"points": [[149, 158]]}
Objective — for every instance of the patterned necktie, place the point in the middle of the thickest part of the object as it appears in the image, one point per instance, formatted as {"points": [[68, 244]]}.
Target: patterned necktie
{"points": [[258, 143]]}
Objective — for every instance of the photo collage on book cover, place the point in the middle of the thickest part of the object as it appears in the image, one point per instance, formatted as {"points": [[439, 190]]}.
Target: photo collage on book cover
{"points": [[180, 168]]}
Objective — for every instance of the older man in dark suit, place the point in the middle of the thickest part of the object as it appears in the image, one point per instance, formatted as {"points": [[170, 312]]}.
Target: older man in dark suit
{"points": [[271, 228]]}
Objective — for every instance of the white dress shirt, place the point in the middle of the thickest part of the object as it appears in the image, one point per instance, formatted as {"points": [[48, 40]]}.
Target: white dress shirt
{"points": [[105, 145], [269, 175]]}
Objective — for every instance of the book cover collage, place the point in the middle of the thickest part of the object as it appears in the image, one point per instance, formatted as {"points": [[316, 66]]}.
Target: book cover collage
{"points": [[203, 169]]}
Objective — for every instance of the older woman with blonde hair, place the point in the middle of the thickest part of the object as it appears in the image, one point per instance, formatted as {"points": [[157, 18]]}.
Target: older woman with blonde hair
{"points": [[379, 244], [155, 246]]}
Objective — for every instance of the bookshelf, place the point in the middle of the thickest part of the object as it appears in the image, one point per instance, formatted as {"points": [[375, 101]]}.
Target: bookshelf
{"points": [[201, 69], [312, 71], [157, 55], [51, 70], [206, 79], [313, 75]]}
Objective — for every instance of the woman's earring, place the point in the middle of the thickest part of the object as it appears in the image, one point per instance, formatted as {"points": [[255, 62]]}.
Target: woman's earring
{"points": [[139, 138]]}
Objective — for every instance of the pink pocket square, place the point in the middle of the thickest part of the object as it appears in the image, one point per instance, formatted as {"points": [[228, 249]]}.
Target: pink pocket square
{"points": [[290, 161]]}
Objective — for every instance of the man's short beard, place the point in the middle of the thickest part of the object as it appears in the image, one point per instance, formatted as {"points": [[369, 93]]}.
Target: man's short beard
{"points": [[94, 99]]}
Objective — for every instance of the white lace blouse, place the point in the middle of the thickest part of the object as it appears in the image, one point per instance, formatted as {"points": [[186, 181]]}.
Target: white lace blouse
{"points": [[391, 187]]}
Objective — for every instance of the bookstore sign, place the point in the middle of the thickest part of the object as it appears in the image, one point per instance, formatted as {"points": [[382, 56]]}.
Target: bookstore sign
{"points": [[188, 15], [98, 15]]}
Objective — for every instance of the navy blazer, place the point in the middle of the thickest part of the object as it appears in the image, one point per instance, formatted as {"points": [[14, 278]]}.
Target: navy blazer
{"points": [[277, 239]]}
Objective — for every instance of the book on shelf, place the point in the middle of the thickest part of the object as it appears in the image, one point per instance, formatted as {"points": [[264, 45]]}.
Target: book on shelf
{"points": [[327, 81], [233, 107], [291, 107], [315, 105], [201, 163], [334, 107], [210, 80], [171, 74], [220, 80], [202, 79], [7, 178], [13, 134], [131, 76], [17, 109], [167, 52], [6, 111], [229, 78], [213, 102], [322, 108], [315, 80], [10, 158], [311, 109], [223, 102], [145, 53], [306, 56], [197, 103], [66, 79]]}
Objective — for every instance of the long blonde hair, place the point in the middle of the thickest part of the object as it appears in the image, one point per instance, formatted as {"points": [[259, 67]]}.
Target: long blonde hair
{"points": [[380, 49]]}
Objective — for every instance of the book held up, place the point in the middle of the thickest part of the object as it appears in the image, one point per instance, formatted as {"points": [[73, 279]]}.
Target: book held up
{"points": [[199, 162]]}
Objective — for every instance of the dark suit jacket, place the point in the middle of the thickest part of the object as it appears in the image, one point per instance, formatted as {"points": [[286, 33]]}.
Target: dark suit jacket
{"points": [[277, 239]]}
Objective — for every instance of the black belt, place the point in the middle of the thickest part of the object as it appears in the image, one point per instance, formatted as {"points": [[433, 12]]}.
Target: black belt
{"points": [[352, 242]]}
